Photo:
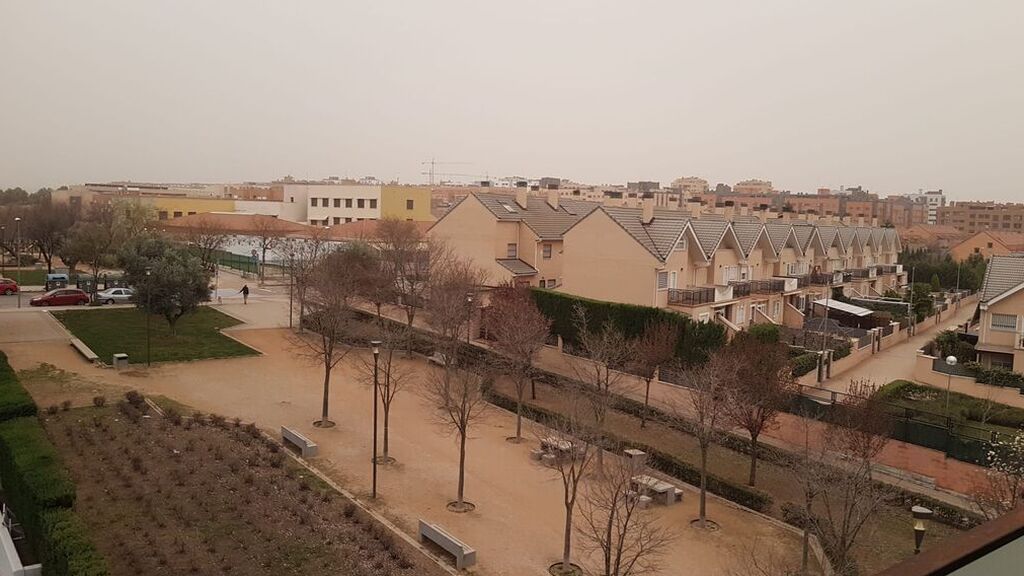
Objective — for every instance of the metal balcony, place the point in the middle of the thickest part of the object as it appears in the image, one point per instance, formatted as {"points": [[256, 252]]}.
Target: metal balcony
{"points": [[769, 286], [699, 296], [740, 288]]}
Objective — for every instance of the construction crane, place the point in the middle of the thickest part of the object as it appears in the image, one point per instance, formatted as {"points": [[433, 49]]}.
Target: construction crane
{"points": [[434, 163]]}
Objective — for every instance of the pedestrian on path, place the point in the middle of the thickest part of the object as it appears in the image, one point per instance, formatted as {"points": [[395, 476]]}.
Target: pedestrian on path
{"points": [[245, 293]]}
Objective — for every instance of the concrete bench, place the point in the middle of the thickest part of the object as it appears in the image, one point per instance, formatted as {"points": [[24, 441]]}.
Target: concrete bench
{"points": [[84, 350], [306, 446], [464, 555]]}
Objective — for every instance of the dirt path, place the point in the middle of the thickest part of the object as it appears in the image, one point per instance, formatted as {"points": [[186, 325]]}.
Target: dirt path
{"points": [[517, 527]]}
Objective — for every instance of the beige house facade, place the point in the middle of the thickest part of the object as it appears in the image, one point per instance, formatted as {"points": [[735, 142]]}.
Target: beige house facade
{"points": [[1001, 314]]}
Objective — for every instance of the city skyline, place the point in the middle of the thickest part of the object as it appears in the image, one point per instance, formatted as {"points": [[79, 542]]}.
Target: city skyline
{"points": [[893, 98]]}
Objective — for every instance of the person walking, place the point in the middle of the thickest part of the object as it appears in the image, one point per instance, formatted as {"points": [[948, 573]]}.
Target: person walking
{"points": [[245, 293]]}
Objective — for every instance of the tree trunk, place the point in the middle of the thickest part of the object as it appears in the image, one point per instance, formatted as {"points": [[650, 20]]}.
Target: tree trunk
{"points": [[703, 485], [533, 388], [462, 465], [567, 539], [753, 460], [519, 412], [647, 399], [806, 549], [327, 393]]}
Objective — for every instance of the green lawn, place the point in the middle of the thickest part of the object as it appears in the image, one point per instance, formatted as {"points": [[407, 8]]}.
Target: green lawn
{"points": [[33, 277], [977, 412], [108, 331]]}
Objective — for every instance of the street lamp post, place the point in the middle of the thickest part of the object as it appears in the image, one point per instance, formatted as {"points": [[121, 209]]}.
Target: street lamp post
{"points": [[469, 315], [3, 258], [149, 305], [920, 514], [951, 362], [17, 253], [291, 284], [958, 285], [376, 355]]}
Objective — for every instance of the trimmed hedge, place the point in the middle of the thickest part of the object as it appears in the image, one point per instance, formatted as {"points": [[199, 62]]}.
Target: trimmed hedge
{"points": [[656, 459], [15, 402], [995, 376], [69, 550], [696, 339], [805, 363]]}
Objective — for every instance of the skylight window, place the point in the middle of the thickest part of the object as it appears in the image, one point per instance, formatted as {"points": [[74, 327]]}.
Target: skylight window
{"points": [[508, 208]]}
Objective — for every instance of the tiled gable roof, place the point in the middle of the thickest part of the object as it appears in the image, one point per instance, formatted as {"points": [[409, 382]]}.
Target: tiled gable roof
{"points": [[847, 236], [803, 234], [877, 236], [828, 235], [1004, 273], [747, 233], [547, 222], [863, 235], [709, 233], [778, 234], [659, 237], [516, 267]]}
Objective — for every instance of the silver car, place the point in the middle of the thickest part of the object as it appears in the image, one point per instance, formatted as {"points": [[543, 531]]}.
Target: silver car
{"points": [[115, 296]]}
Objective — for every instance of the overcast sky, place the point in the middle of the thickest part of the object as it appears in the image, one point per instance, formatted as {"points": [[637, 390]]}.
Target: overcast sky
{"points": [[891, 95]]}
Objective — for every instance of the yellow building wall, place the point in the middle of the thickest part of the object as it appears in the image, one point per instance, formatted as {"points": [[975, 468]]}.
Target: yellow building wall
{"points": [[188, 206], [979, 242], [471, 230], [603, 262], [1013, 304], [393, 203]]}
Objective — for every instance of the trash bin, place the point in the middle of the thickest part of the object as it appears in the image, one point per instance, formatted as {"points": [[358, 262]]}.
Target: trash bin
{"points": [[120, 361]]}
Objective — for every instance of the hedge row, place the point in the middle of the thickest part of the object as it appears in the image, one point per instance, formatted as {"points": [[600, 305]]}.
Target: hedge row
{"points": [[805, 363], [14, 400], [696, 339], [995, 376], [656, 459], [40, 491]]}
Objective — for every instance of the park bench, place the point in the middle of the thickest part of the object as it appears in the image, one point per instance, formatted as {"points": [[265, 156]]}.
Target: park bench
{"points": [[464, 555], [84, 350], [306, 446]]}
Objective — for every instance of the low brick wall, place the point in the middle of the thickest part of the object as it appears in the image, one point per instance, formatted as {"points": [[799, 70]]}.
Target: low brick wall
{"points": [[924, 374]]}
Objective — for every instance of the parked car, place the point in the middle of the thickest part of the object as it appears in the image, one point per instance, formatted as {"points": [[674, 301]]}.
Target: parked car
{"points": [[8, 286], [61, 297], [115, 296]]}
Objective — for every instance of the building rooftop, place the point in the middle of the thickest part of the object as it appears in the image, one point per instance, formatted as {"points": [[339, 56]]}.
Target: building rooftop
{"points": [[1004, 273], [547, 222]]}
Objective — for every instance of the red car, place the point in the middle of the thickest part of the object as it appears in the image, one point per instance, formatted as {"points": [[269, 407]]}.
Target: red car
{"points": [[8, 286], [61, 297]]}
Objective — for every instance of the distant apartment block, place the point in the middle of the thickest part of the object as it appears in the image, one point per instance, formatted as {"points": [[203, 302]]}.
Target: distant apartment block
{"points": [[753, 187], [933, 200], [974, 217], [691, 186]]}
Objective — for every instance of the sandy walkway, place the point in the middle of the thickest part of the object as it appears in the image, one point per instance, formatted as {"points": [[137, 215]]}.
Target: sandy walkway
{"points": [[517, 525]]}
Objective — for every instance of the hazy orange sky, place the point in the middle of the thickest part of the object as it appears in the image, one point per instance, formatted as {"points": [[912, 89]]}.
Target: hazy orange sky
{"points": [[891, 95]]}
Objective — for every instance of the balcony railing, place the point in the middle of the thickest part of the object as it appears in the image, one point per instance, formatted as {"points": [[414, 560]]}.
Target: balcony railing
{"points": [[802, 280], [826, 279], [740, 288], [699, 296], [861, 273], [890, 268], [769, 286]]}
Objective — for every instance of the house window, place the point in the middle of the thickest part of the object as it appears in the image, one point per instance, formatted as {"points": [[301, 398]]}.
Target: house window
{"points": [[291, 199], [348, 202], [989, 244], [373, 202], [337, 220], [1004, 322], [409, 204], [191, 213], [977, 250], [776, 309], [512, 251], [546, 251], [337, 202], [673, 279], [312, 201], [360, 203], [162, 215], [177, 214], [741, 314], [551, 283], [662, 280], [347, 220]]}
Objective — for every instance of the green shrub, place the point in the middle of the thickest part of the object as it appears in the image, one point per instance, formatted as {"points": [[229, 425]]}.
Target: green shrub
{"points": [[764, 333], [67, 548], [995, 376], [805, 363], [696, 339], [15, 402]]}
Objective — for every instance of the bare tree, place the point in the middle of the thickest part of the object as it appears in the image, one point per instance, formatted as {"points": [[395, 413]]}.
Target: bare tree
{"points": [[332, 289], [304, 256], [1002, 489], [572, 466], [607, 353], [616, 524], [704, 398], [450, 305], [763, 384], [266, 234], [655, 347], [811, 459], [458, 396], [203, 234], [393, 376], [846, 492], [519, 330], [46, 227]]}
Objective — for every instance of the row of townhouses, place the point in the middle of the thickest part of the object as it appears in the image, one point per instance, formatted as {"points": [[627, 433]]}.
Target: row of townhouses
{"points": [[735, 270]]}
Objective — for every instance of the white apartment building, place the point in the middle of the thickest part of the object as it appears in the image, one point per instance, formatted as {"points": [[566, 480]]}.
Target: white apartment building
{"points": [[934, 199]]}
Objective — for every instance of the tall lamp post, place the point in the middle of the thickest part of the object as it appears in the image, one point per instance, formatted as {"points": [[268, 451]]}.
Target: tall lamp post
{"points": [[17, 253], [957, 285], [291, 284], [149, 304], [3, 258], [920, 514], [376, 355], [469, 315], [951, 362]]}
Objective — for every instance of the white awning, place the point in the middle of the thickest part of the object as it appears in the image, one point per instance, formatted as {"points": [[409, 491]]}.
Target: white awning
{"points": [[843, 307]]}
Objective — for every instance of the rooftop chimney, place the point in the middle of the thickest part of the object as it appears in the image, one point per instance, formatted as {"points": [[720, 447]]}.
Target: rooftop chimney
{"points": [[860, 220], [553, 198], [521, 195], [874, 222], [647, 211]]}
